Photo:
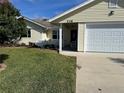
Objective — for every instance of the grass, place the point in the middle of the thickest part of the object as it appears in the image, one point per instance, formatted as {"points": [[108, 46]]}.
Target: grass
{"points": [[37, 71]]}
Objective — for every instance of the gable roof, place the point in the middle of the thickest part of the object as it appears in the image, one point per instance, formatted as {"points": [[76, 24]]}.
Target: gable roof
{"points": [[44, 23], [32, 21], [71, 10]]}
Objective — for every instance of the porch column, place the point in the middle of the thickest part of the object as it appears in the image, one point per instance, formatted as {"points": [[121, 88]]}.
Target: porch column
{"points": [[60, 38], [81, 30]]}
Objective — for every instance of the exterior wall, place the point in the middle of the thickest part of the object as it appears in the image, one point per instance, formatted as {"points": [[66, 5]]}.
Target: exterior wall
{"points": [[35, 36], [50, 40], [38, 35], [81, 32], [49, 34], [44, 36], [25, 41], [97, 11]]}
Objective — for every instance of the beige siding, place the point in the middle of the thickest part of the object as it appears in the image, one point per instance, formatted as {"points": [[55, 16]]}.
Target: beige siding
{"points": [[49, 34], [81, 31], [35, 36], [95, 12], [49, 38], [36, 33], [39, 35], [25, 41], [45, 36]]}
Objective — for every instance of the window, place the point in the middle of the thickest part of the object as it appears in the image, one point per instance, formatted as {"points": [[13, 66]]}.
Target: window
{"points": [[113, 3], [27, 34], [55, 34]]}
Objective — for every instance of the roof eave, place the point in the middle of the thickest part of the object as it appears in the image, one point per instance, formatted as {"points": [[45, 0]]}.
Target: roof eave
{"points": [[71, 10], [35, 22]]}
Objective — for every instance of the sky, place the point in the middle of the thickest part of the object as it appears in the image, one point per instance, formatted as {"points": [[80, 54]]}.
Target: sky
{"points": [[44, 8]]}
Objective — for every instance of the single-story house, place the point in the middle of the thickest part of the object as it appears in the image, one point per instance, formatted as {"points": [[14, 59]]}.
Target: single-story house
{"points": [[93, 26], [40, 32]]}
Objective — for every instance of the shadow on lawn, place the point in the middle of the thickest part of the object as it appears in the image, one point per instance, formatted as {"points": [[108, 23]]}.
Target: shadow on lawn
{"points": [[117, 60], [3, 57]]}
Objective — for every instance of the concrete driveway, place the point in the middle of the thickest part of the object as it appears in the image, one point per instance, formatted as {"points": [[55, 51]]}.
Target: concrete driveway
{"points": [[100, 73]]}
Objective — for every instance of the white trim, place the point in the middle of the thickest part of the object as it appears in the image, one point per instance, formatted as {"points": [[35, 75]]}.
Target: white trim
{"points": [[60, 38], [78, 38], [85, 38], [29, 27], [71, 10], [108, 22]]}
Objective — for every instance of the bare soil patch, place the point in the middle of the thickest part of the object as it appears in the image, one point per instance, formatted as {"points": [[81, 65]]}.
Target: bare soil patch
{"points": [[2, 67]]}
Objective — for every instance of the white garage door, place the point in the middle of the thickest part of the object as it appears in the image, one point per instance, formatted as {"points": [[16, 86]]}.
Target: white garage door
{"points": [[104, 38]]}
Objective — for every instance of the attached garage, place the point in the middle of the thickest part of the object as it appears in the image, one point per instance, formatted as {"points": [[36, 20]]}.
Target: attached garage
{"points": [[100, 26], [104, 37]]}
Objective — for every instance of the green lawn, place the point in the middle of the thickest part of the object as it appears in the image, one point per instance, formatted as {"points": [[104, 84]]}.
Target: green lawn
{"points": [[37, 71]]}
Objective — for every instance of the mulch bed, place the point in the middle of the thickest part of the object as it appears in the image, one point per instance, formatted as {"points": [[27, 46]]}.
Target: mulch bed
{"points": [[2, 67]]}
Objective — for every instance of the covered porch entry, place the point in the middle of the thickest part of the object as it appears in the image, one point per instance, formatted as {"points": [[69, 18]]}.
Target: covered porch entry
{"points": [[68, 37], [71, 37]]}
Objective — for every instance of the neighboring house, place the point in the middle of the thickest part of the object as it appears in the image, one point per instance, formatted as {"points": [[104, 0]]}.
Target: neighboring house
{"points": [[40, 33], [93, 26]]}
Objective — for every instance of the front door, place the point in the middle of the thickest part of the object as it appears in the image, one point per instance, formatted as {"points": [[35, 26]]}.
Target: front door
{"points": [[73, 35], [74, 39]]}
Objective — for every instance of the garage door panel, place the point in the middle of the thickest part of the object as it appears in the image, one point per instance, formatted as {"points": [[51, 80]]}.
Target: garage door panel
{"points": [[102, 38], [100, 25]]}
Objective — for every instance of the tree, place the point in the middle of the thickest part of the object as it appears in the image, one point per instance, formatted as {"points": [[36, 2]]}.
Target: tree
{"points": [[11, 27]]}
